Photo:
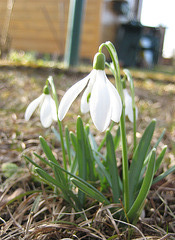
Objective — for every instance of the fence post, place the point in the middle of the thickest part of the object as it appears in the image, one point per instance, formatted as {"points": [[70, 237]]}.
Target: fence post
{"points": [[73, 32]]}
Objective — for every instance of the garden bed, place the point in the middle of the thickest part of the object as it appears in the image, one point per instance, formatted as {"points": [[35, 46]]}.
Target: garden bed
{"points": [[53, 218]]}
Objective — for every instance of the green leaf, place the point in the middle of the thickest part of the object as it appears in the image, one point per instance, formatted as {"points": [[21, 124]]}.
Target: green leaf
{"points": [[160, 138], [81, 155], [73, 140], [138, 160], [42, 159], [87, 185], [68, 145], [89, 190], [47, 150], [164, 174], [89, 158], [147, 182], [48, 178], [31, 161], [112, 164], [58, 174], [67, 194], [104, 139], [117, 138], [160, 158], [101, 168]]}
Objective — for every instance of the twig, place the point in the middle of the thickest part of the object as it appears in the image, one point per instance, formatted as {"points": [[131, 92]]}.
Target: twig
{"points": [[130, 226], [167, 236]]}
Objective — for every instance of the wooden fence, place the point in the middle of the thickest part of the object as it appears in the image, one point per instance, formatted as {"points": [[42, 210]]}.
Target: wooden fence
{"points": [[41, 25]]}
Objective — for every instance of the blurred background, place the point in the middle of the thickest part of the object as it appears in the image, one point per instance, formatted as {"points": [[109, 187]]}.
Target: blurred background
{"points": [[143, 31]]}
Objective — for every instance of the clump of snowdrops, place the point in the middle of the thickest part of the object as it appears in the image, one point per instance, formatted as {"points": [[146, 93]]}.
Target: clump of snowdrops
{"points": [[84, 167]]}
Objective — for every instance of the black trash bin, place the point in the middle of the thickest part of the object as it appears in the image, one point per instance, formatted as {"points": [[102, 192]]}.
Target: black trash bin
{"points": [[127, 43]]}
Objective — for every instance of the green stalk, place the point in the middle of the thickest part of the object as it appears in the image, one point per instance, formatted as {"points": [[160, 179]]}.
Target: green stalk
{"points": [[131, 82], [134, 128], [111, 49], [62, 145], [124, 161], [50, 80]]}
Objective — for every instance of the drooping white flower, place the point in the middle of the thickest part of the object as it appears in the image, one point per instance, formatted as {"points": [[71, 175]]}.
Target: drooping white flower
{"points": [[100, 97], [128, 106], [47, 108]]}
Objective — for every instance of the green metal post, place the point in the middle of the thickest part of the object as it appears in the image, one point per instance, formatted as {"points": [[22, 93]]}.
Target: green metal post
{"points": [[73, 32]]}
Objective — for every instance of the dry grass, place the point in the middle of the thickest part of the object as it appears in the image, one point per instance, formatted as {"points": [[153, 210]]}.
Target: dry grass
{"points": [[30, 210]]}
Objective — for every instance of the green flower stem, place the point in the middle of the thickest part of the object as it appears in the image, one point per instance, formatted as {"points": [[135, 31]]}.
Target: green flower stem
{"points": [[62, 145], [124, 161], [134, 129], [50, 80], [131, 82], [111, 49]]}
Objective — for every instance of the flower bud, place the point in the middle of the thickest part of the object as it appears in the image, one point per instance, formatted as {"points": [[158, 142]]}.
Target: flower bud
{"points": [[99, 61]]}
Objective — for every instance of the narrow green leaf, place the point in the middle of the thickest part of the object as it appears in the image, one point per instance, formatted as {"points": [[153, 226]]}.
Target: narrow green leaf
{"points": [[81, 155], [104, 139], [58, 175], [164, 174], [88, 185], [67, 194], [31, 161], [47, 150], [90, 191], [73, 140], [112, 164], [101, 168], [48, 178], [138, 160], [147, 182], [68, 146], [89, 159], [160, 158], [117, 138], [160, 138], [42, 159]]}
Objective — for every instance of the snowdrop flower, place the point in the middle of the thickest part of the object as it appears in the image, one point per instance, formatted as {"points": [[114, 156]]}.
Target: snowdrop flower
{"points": [[47, 108], [100, 96], [128, 106]]}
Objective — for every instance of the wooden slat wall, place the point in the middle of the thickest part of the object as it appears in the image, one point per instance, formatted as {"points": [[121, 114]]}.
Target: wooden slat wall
{"points": [[41, 25]]}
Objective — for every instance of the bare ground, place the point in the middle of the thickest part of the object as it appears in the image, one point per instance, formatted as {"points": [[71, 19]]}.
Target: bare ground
{"points": [[53, 219]]}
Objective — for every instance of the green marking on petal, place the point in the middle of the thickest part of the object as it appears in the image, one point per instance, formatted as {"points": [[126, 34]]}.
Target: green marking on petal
{"points": [[88, 97], [99, 61], [46, 90]]}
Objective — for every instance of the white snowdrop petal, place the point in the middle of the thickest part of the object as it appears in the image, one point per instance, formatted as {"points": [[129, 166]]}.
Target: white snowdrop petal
{"points": [[70, 96], [100, 102], [46, 112], [116, 103], [32, 107], [84, 103], [54, 110], [128, 106]]}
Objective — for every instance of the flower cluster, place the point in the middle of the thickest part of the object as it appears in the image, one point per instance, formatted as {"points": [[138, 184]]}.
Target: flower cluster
{"points": [[100, 98]]}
